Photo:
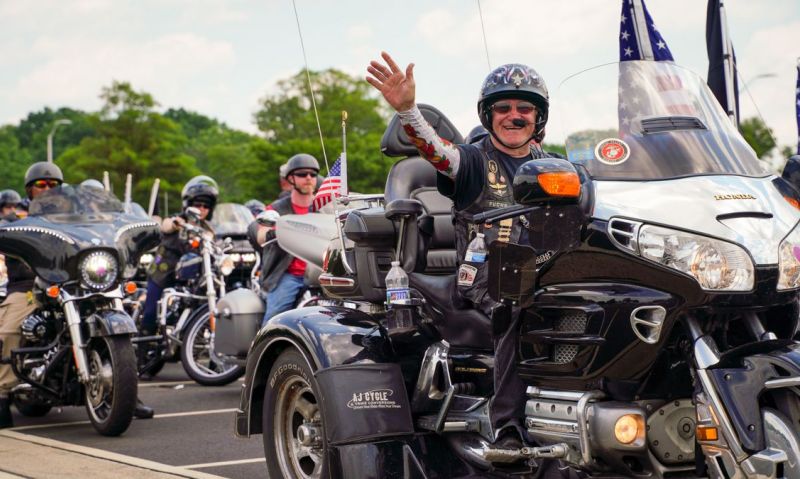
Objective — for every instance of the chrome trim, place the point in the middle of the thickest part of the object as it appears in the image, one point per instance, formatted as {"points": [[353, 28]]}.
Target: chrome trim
{"points": [[633, 235], [645, 200], [78, 347], [126, 228], [335, 281], [706, 353], [782, 383], [653, 327], [535, 392], [583, 427], [38, 229], [718, 409]]}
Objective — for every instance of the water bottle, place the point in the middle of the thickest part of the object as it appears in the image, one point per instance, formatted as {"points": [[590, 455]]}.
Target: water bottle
{"points": [[397, 284], [476, 251]]}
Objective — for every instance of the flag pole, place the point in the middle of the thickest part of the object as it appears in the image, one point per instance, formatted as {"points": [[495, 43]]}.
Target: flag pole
{"points": [[727, 62], [343, 184]]}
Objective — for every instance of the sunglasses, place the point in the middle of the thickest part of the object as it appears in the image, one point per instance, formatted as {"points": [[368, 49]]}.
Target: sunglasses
{"points": [[205, 206], [305, 174], [523, 107], [42, 184]]}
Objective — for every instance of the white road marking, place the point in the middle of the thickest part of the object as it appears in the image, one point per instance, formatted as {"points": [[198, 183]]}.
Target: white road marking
{"points": [[8, 475], [157, 416], [109, 456], [224, 463], [164, 384]]}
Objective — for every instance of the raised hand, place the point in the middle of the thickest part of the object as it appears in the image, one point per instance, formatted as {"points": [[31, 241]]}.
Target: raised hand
{"points": [[397, 88]]}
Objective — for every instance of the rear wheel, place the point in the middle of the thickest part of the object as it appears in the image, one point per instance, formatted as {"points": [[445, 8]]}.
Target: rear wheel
{"points": [[201, 362], [294, 438], [112, 388]]}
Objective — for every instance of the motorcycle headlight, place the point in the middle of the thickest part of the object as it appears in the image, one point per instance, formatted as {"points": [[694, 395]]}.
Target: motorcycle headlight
{"points": [[789, 261], [99, 270], [226, 265], [715, 264], [248, 258]]}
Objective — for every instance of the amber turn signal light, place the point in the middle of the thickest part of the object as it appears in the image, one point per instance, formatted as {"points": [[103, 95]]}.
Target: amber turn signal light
{"points": [[53, 291], [707, 433], [629, 428], [561, 183], [195, 243], [130, 287]]}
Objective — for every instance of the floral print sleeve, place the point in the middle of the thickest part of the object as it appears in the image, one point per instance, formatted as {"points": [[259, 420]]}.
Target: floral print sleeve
{"points": [[442, 154]]}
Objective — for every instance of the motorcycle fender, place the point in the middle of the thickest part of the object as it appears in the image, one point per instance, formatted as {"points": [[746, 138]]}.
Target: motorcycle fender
{"points": [[110, 323], [327, 336], [740, 379]]}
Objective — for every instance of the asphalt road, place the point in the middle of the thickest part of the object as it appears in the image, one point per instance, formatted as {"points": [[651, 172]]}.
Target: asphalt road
{"points": [[192, 429]]}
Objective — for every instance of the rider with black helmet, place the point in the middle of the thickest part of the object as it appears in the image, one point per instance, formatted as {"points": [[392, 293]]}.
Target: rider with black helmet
{"points": [[200, 192], [513, 107], [282, 275], [9, 201]]}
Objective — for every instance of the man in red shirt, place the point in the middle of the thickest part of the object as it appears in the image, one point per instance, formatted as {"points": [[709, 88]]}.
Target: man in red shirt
{"points": [[282, 274]]}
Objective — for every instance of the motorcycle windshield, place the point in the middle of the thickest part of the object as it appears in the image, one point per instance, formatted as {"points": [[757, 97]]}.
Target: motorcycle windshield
{"points": [[231, 219], [646, 120], [66, 222]]}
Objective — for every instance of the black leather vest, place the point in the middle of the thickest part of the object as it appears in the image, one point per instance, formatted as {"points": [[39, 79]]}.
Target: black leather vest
{"points": [[274, 260], [497, 193]]}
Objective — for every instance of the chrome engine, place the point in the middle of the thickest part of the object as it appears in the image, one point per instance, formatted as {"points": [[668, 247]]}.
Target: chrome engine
{"points": [[37, 329]]}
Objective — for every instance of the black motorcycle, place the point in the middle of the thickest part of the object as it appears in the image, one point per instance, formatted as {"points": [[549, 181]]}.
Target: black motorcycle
{"points": [[657, 297], [187, 312], [76, 348]]}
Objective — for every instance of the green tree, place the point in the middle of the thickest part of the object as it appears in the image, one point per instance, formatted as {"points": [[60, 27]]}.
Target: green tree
{"points": [[758, 135], [33, 130], [288, 122], [131, 137], [13, 160]]}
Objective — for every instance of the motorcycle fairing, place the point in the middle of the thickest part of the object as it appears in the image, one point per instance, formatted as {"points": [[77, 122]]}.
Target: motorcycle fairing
{"points": [[751, 212], [51, 246], [740, 379], [329, 336]]}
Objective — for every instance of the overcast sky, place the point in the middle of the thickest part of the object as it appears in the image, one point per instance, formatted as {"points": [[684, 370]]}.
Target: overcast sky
{"points": [[219, 57]]}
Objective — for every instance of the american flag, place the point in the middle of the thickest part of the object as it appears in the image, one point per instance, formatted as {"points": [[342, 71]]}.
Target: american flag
{"points": [[330, 187], [638, 37]]}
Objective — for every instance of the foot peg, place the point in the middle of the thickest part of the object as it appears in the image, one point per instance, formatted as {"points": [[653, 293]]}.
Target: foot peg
{"points": [[507, 456]]}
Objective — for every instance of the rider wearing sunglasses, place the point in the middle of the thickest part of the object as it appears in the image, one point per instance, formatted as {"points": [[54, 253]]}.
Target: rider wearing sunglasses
{"points": [[282, 275], [512, 107], [200, 192]]}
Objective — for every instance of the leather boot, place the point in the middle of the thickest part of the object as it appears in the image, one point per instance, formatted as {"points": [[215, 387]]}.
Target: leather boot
{"points": [[5, 412], [142, 411]]}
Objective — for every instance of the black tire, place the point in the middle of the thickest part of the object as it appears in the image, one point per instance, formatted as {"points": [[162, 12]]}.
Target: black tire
{"points": [[198, 358], [31, 407], [110, 402], [291, 383]]}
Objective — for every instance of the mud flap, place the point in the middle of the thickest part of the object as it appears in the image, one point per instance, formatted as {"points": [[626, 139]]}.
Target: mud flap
{"points": [[364, 402]]}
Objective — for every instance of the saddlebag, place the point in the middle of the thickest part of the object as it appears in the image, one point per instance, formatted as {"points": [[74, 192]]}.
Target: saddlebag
{"points": [[238, 321], [364, 402]]}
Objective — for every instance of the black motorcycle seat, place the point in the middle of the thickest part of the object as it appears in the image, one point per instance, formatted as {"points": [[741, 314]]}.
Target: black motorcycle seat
{"points": [[461, 327]]}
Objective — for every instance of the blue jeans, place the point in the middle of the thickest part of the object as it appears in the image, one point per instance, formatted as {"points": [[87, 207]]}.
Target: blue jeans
{"points": [[150, 312], [282, 297]]}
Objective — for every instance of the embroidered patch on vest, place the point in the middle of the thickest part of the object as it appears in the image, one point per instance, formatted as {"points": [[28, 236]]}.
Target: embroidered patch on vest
{"points": [[497, 182], [466, 275]]}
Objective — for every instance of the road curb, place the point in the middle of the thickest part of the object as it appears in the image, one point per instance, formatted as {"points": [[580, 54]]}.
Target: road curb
{"points": [[28, 456]]}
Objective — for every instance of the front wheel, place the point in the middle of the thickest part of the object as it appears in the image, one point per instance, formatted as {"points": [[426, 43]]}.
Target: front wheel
{"points": [[294, 438], [112, 388], [200, 361]]}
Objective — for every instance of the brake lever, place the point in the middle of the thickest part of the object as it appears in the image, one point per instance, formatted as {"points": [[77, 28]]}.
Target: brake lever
{"points": [[493, 216]]}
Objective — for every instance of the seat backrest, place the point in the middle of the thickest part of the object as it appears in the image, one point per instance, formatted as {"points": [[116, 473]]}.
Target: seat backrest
{"points": [[414, 177]]}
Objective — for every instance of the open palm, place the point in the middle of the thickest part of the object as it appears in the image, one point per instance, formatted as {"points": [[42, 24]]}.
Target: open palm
{"points": [[397, 88]]}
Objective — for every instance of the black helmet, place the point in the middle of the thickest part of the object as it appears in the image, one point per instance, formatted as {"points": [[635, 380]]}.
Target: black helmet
{"points": [[201, 188], [9, 197], [516, 81], [301, 160], [255, 206], [43, 170]]}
